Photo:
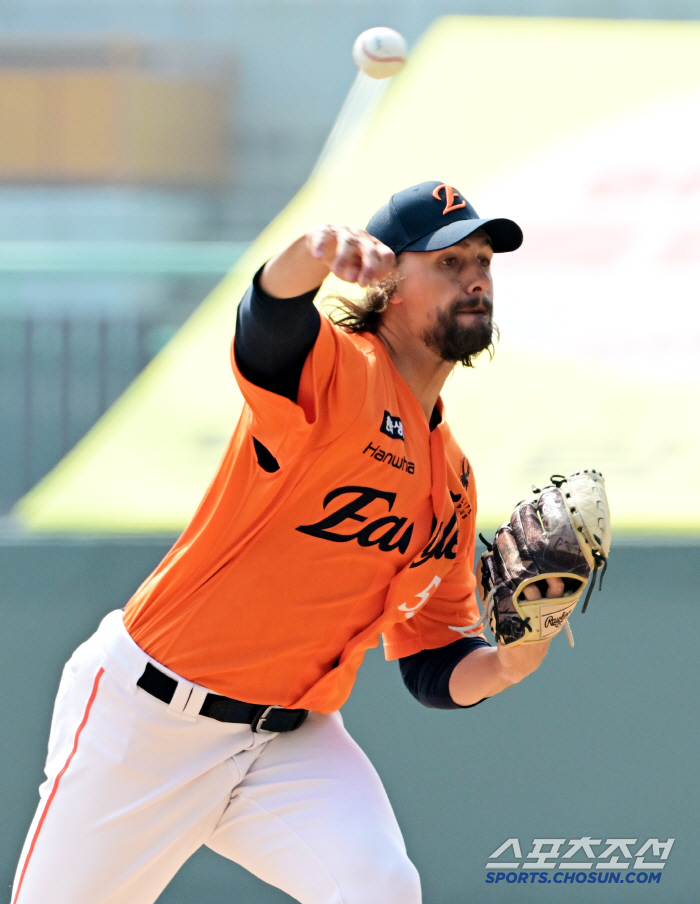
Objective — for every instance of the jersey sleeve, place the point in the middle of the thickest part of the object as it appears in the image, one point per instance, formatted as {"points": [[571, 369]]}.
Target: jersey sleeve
{"points": [[330, 396], [427, 673], [274, 337], [452, 608], [447, 616]]}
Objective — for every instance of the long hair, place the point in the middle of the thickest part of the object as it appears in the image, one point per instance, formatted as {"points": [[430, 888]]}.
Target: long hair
{"points": [[365, 315]]}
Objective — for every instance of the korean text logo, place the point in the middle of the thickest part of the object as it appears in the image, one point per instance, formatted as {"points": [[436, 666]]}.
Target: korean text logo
{"points": [[562, 861]]}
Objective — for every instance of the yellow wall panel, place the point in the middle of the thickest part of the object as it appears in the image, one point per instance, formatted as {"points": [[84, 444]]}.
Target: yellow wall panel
{"points": [[173, 131], [116, 126], [21, 106], [87, 125]]}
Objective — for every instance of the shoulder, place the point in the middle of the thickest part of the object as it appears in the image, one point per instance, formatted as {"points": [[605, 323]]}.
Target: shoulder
{"points": [[364, 342], [339, 373], [347, 353]]}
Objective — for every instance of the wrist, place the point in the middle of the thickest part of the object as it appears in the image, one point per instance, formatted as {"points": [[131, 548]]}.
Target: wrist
{"points": [[293, 272], [516, 662], [508, 670]]}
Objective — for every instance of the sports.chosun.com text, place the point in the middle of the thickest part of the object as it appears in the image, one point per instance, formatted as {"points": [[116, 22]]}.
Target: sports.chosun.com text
{"points": [[562, 861], [563, 878]]}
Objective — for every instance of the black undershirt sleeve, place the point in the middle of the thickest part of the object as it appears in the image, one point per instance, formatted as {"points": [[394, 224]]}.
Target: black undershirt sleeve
{"points": [[273, 338], [427, 674]]}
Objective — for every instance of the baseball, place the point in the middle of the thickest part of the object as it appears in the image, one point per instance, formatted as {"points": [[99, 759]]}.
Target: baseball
{"points": [[379, 52]]}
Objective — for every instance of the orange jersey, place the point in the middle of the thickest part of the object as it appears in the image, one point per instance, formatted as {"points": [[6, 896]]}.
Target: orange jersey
{"points": [[283, 579]]}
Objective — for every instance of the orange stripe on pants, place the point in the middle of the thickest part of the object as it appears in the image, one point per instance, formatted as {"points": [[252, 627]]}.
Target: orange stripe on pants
{"points": [[58, 779]]}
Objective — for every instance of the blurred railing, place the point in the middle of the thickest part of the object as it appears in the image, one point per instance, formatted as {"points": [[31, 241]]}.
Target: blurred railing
{"points": [[58, 375], [131, 258], [60, 372]]}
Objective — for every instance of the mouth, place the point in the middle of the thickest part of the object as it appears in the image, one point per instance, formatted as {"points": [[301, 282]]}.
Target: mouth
{"points": [[473, 312], [482, 306]]}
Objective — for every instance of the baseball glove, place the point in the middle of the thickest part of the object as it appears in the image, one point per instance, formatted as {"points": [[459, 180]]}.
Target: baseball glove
{"points": [[563, 532]]}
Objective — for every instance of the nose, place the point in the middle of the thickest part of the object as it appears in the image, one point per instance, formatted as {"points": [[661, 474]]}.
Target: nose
{"points": [[478, 297], [478, 282]]}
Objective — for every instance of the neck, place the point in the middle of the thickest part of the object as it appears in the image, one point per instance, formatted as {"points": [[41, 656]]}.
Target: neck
{"points": [[423, 371]]}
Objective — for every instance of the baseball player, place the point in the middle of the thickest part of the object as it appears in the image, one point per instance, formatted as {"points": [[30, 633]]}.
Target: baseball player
{"points": [[206, 712]]}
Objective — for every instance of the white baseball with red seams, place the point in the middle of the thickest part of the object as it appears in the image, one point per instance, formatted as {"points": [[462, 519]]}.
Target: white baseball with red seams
{"points": [[379, 52]]}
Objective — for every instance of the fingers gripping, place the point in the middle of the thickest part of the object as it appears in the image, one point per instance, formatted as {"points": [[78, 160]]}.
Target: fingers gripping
{"points": [[353, 255], [321, 241], [347, 262]]}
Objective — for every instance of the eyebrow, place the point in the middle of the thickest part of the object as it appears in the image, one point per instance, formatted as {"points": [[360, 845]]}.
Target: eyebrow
{"points": [[485, 240]]}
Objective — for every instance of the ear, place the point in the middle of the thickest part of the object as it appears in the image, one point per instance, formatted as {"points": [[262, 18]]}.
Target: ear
{"points": [[397, 276], [396, 297]]}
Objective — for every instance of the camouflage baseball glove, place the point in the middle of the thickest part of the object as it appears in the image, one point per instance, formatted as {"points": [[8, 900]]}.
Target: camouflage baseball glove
{"points": [[563, 532]]}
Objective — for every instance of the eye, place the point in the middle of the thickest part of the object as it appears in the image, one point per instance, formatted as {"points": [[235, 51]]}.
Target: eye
{"points": [[485, 262], [449, 261]]}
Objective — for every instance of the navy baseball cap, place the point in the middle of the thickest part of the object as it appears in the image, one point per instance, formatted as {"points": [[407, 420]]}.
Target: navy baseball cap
{"points": [[433, 215]]}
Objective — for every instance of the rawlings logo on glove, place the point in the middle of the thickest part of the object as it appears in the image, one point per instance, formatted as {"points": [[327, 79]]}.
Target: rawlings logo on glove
{"points": [[564, 533]]}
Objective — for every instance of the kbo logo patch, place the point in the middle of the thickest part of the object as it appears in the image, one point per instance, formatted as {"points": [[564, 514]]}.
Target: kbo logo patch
{"points": [[392, 426]]}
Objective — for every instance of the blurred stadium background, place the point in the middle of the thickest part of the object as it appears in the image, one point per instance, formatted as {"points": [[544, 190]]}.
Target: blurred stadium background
{"points": [[144, 149]]}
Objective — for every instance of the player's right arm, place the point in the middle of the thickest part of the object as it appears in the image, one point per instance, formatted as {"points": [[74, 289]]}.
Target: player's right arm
{"points": [[277, 323], [353, 255]]}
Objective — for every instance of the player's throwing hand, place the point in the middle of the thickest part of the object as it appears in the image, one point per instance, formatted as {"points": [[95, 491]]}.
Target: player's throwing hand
{"points": [[353, 255]]}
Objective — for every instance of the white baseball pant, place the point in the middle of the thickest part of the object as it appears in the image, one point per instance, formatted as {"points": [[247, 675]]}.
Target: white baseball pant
{"points": [[134, 786]]}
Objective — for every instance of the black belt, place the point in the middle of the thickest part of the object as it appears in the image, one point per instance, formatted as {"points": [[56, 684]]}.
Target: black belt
{"points": [[224, 709]]}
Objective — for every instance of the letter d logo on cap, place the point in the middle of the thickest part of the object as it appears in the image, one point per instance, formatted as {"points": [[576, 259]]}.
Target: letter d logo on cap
{"points": [[450, 194]]}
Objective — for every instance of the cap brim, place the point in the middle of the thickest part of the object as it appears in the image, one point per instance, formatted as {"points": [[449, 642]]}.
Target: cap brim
{"points": [[505, 235]]}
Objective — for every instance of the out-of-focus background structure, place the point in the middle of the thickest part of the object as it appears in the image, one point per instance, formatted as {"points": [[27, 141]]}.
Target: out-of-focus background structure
{"points": [[145, 149], [171, 134]]}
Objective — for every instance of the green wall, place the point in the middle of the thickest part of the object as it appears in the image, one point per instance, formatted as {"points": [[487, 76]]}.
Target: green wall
{"points": [[601, 742]]}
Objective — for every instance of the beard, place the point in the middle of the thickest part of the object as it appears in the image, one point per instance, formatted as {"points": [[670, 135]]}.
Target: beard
{"points": [[455, 342]]}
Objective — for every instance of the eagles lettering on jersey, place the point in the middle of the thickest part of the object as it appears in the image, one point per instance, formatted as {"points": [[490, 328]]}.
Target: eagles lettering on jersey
{"points": [[443, 542], [357, 497], [389, 532]]}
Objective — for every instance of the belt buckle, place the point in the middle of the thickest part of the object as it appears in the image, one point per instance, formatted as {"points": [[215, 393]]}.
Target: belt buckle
{"points": [[257, 724]]}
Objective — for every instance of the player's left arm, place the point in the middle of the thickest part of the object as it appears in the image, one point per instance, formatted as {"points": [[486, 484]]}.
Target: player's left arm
{"points": [[467, 671], [489, 670], [552, 542]]}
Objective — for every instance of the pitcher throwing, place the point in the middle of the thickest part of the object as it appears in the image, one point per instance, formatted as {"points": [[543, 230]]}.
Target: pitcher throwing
{"points": [[206, 712]]}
